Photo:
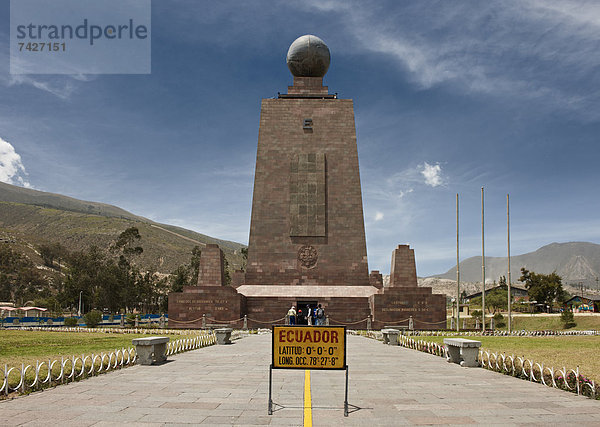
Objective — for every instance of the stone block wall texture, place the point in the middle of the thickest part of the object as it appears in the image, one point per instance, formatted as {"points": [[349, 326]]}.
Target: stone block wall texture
{"points": [[333, 249], [308, 86], [404, 270], [237, 279], [222, 304], [212, 267], [376, 279], [395, 305]]}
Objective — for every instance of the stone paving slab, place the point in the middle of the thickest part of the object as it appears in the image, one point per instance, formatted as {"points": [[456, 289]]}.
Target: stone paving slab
{"points": [[228, 385]]}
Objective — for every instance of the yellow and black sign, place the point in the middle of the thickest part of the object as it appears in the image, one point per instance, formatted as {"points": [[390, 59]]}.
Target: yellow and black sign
{"points": [[309, 347]]}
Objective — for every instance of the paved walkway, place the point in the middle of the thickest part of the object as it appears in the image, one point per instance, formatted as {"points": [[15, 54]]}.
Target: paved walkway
{"points": [[229, 385]]}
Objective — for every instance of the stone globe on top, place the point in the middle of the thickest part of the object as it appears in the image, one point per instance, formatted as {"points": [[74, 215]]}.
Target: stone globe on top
{"points": [[308, 56]]}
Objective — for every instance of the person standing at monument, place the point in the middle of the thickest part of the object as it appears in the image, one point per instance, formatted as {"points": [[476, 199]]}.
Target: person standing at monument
{"points": [[292, 315], [309, 316], [319, 315]]}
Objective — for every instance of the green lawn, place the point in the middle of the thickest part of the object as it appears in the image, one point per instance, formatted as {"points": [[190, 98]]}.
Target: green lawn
{"points": [[541, 323], [557, 351], [27, 347], [18, 346]]}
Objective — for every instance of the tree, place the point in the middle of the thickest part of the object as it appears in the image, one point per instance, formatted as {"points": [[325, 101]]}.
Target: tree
{"points": [[227, 277], [542, 288], [499, 320], [567, 319], [87, 275], [5, 291], [20, 280], [92, 318], [71, 321], [51, 252], [179, 278], [126, 243], [497, 299], [194, 265], [244, 252]]}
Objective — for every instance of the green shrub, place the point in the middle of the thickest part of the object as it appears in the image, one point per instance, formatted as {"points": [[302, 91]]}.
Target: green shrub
{"points": [[130, 319], [499, 320], [92, 318], [567, 318], [70, 321]]}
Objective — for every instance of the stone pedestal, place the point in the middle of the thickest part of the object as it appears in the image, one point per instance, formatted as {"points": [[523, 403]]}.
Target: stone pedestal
{"points": [[462, 351], [150, 350], [390, 336], [223, 335]]}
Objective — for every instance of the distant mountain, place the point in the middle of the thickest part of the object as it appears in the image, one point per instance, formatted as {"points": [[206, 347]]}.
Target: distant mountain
{"points": [[574, 261], [29, 218], [26, 196]]}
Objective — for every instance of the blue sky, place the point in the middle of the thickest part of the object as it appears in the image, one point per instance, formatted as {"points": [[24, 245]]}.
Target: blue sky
{"points": [[449, 97]]}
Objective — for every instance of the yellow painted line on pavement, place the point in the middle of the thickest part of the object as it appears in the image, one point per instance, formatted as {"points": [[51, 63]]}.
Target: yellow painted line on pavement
{"points": [[307, 400]]}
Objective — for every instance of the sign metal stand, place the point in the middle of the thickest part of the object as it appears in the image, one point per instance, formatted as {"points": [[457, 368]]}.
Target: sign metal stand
{"points": [[308, 347]]}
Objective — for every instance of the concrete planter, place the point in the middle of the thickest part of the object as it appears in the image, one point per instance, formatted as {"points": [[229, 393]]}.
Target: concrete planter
{"points": [[223, 335], [390, 336], [150, 350]]}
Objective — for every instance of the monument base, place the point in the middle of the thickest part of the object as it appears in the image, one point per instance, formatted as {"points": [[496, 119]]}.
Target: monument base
{"points": [[396, 305], [218, 305]]}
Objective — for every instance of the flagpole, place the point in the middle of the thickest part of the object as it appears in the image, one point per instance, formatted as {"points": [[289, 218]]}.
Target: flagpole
{"points": [[457, 272], [508, 249], [482, 263]]}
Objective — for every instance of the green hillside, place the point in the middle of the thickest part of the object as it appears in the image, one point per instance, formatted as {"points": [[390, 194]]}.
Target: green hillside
{"points": [[13, 193], [165, 247]]}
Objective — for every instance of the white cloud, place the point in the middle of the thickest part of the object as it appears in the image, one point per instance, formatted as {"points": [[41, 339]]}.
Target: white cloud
{"points": [[541, 51], [12, 170], [432, 174], [62, 88], [378, 216]]}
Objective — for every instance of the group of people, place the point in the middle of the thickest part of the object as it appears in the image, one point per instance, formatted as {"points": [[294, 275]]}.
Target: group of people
{"points": [[307, 316]]}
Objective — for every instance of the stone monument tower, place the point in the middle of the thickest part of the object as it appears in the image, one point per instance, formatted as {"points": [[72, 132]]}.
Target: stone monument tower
{"points": [[307, 235], [307, 223]]}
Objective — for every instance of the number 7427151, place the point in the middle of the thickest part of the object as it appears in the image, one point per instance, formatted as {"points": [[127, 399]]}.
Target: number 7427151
{"points": [[41, 47]]}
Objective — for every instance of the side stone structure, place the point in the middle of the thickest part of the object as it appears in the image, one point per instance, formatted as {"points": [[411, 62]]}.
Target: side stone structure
{"points": [[211, 271], [376, 279], [404, 299], [403, 270], [209, 298]]}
